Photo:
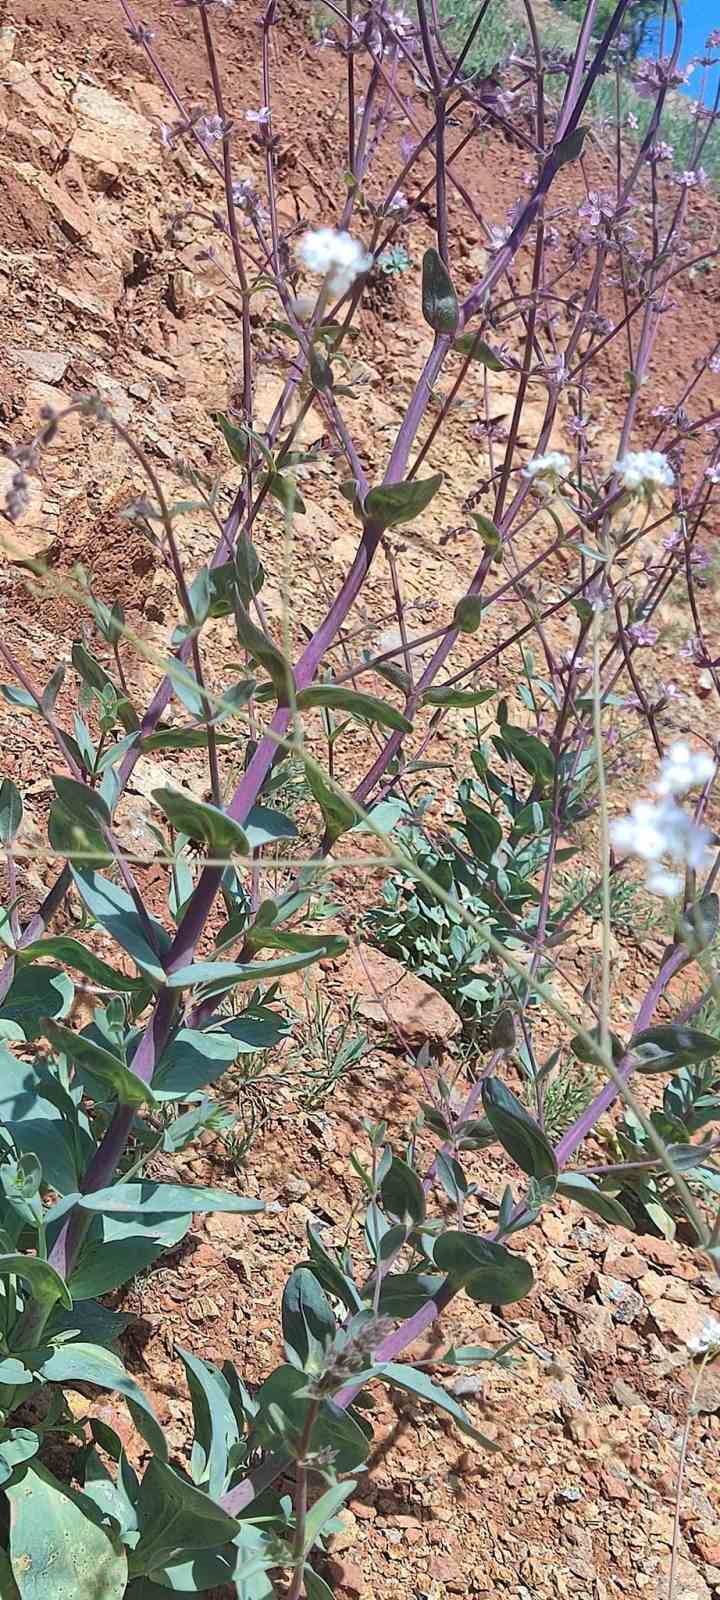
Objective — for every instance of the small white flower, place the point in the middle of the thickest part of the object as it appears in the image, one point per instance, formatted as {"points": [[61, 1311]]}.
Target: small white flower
{"points": [[262, 116], [713, 473], [707, 1339], [644, 471], [683, 769], [658, 829], [547, 470], [337, 255]]}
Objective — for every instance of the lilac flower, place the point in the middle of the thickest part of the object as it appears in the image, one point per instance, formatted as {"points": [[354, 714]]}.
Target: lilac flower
{"points": [[660, 151], [632, 120], [713, 40], [714, 363], [713, 473], [211, 128], [692, 650], [690, 179], [262, 116], [497, 236], [399, 201], [641, 635]]}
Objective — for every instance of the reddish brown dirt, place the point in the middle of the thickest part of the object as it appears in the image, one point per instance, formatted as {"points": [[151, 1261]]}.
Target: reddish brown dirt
{"points": [[580, 1500]]}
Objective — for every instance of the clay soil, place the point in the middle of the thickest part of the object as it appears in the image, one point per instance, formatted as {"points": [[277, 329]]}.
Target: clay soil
{"points": [[104, 283]]}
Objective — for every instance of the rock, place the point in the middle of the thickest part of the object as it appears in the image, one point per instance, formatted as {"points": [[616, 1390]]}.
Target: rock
{"points": [[689, 1583], [447, 1572], [348, 1577], [615, 1488], [74, 220], [110, 131], [48, 365], [708, 1546], [346, 1535], [392, 996], [680, 1321], [44, 397]]}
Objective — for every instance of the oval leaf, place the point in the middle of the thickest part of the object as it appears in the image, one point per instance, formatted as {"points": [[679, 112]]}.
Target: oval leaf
{"points": [[58, 1546], [46, 1284], [213, 827], [489, 1273], [400, 502], [518, 1133], [333, 697], [439, 300]]}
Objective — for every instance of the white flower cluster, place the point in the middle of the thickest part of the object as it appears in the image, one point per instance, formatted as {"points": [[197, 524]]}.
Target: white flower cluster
{"points": [[337, 255], [660, 830], [707, 1339], [683, 769], [547, 470], [644, 471]]}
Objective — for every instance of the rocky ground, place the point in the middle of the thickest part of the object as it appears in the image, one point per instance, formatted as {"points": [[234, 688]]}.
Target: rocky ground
{"points": [[103, 284]]}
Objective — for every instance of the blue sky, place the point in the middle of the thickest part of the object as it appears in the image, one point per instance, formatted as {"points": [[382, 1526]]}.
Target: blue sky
{"points": [[699, 18]]}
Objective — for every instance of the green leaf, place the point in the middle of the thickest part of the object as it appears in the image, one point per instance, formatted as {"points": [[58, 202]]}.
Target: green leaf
{"points": [[77, 838], [402, 1193], [173, 1516], [464, 699], [665, 1048], [17, 1445], [489, 533], [206, 823], [59, 1549], [264, 826], [489, 1273], [533, 756], [569, 149], [404, 1293], [418, 1383], [11, 810], [590, 1049], [74, 954], [439, 300], [484, 832], [224, 975], [329, 1274], [367, 707], [164, 1199], [467, 615], [107, 1069], [698, 924], [249, 570], [575, 1186], [46, 1284], [338, 814], [95, 677], [262, 649], [113, 908], [236, 439], [307, 1321], [217, 1431], [393, 503], [191, 1061], [124, 1247], [284, 489], [519, 1134], [262, 936], [84, 804], [470, 345], [77, 1362], [283, 1401], [33, 996], [324, 1509]]}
